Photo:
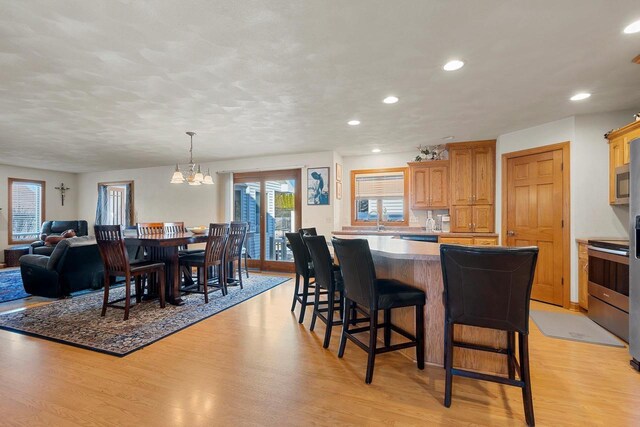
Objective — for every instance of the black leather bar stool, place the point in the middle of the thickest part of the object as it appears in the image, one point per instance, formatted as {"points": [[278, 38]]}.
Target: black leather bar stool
{"points": [[329, 277], [304, 270], [489, 288], [365, 290]]}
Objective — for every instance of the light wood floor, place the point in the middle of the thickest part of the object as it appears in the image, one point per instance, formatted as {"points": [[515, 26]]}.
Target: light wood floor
{"points": [[254, 365]]}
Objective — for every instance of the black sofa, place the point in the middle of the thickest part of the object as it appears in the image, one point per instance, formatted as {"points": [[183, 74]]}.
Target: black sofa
{"points": [[55, 228], [75, 264]]}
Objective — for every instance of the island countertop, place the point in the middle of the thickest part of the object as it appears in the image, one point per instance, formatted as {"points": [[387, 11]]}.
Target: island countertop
{"points": [[391, 247], [411, 231]]}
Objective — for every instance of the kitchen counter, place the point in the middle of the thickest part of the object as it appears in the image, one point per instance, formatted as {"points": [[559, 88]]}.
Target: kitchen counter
{"points": [[418, 264], [415, 231]]}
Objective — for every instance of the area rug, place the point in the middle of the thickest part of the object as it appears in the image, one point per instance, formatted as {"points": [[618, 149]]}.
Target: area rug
{"points": [[77, 321], [573, 327], [11, 286]]}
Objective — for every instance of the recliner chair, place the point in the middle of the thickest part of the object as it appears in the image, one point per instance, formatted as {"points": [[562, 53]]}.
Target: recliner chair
{"points": [[55, 228]]}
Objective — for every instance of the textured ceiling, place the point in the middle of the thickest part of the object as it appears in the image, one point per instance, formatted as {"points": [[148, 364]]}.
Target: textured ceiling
{"points": [[97, 85]]}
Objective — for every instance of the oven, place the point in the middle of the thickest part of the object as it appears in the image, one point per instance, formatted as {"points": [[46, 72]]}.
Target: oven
{"points": [[609, 285]]}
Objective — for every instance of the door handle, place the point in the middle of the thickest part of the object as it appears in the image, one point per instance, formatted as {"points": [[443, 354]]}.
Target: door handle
{"points": [[511, 233]]}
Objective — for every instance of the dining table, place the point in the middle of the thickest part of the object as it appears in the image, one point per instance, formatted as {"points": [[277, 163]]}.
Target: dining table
{"points": [[164, 247]]}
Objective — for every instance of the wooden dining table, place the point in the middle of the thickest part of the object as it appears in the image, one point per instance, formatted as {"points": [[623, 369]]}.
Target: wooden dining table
{"points": [[164, 248]]}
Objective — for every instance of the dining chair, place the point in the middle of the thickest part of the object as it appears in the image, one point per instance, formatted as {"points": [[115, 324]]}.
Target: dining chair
{"points": [[328, 277], [147, 228], [116, 264], [211, 258], [365, 290], [173, 227], [233, 251], [489, 288]]}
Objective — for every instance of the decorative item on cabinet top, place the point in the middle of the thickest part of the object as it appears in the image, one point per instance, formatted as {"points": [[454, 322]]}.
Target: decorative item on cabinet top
{"points": [[432, 152]]}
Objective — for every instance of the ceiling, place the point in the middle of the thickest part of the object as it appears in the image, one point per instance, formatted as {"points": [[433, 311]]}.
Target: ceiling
{"points": [[88, 85]]}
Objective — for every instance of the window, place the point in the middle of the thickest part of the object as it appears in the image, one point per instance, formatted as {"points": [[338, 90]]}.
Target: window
{"points": [[115, 203], [379, 195], [26, 209]]}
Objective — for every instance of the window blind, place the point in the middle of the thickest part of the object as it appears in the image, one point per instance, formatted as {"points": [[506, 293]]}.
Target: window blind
{"points": [[26, 210], [379, 185]]}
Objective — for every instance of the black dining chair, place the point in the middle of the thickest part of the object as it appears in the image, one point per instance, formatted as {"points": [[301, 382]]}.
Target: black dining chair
{"points": [[304, 271], [489, 288], [365, 290], [328, 277]]}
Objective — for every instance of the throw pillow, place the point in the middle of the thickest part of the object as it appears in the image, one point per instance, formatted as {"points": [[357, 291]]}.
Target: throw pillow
{"points": [[53, 240], [69, 233]]}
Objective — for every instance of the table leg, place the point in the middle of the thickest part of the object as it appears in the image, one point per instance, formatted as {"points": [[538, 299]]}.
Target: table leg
{"points": [[169, 256]]}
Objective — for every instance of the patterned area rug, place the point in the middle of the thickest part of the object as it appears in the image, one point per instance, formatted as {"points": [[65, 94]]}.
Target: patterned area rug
{"points": [[77, 321], [11, 286]]}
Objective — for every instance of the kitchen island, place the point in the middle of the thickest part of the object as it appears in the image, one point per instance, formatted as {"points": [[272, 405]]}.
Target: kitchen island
{"points": [[418, 264]]}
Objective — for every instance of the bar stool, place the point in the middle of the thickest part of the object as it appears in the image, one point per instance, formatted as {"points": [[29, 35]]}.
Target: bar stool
{"points": [[489, 288], [362, 288], [116, 263], [328, 277], [304, 270]]}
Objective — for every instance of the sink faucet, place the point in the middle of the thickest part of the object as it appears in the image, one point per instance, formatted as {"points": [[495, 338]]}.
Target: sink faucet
{"points": [[379, 227]]}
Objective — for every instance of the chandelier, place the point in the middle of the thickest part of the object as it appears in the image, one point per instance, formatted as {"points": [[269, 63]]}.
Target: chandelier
{"points": [[194, 175]]}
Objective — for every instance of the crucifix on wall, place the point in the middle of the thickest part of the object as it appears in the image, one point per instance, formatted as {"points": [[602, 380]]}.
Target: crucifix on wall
{"points": [[62, 189]]}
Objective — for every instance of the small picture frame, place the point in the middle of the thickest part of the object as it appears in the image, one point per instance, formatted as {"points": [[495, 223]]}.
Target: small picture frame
{"points": [[338, 172], [339, 190], [318, 182]]}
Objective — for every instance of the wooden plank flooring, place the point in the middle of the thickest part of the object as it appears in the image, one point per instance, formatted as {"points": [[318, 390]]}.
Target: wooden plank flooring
{"points": [[255, 365]]}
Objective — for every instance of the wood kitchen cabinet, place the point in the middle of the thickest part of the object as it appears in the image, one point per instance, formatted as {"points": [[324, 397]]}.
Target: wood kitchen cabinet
{"points": [[619, 152], [475, 241], [429, 184], [583, 275], [472, 169]]}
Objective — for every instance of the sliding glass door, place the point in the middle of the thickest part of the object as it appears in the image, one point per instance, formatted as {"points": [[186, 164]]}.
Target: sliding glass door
{"points": [[271, 203]]}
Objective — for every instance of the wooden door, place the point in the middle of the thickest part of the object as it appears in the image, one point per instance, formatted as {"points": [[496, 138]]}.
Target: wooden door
{"points": [[461, 164], [439, 187], [535, 217], [483, 175], [482, 219], [420, 188], [461, 219]]}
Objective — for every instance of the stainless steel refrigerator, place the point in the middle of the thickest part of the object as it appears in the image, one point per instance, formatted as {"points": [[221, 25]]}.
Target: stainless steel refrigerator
{"points": [[634, 255]]}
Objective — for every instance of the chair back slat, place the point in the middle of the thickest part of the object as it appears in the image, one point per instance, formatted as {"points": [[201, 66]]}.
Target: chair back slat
{"points": [[358, 271], [321, 258], [237, 234], [301, 257], [488, 287], [112, 249], [173, 227], [150, 228], [216, 243]]}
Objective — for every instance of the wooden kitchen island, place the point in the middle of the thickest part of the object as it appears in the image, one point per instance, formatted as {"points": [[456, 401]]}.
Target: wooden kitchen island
{"points": [[418, 264]]}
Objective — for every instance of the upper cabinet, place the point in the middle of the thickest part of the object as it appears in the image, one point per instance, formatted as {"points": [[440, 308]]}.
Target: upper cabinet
{"points": [[472, 168], [429, 182], [619, 152]]}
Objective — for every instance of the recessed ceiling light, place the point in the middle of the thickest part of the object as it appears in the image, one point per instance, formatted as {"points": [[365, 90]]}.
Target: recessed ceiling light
{"points": [[353, 122], [448, 138], [632, 28], [580, 96], [390, 100], [456, 64], [376, 150]]}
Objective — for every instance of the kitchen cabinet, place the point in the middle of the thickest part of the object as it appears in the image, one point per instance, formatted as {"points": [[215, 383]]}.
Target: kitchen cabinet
{"points": [[475, 241], [472, 169], [583, 276], [619, 152], [429, 184]]}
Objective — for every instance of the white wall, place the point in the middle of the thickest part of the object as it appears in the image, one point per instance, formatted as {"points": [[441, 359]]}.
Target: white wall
{"points": [[591, 214], [53, 206], [156, 199]]}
